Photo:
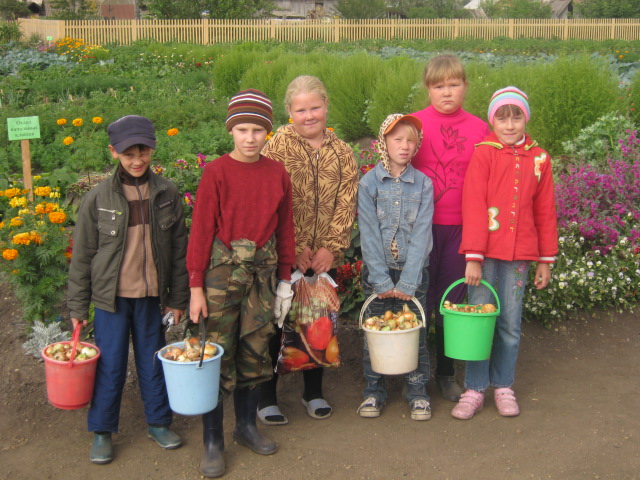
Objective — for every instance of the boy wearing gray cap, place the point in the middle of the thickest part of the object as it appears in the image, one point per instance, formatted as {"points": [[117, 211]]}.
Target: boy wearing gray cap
{"points": [[129, 260]]}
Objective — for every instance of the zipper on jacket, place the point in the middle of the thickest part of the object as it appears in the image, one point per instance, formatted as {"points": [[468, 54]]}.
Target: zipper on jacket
{"points": [[112, 212], [144, 242]]}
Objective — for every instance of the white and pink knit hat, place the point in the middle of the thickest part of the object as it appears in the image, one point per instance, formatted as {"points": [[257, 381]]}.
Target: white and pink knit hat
{"points": [[509, 96]]}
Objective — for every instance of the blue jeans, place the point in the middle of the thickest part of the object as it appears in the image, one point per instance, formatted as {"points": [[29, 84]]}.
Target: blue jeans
{"points": [[508, 279], [141, 318], [416, 381]]}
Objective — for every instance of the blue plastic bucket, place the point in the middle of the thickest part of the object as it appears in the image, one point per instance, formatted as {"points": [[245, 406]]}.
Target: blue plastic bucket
{"points": [[192, 390]]}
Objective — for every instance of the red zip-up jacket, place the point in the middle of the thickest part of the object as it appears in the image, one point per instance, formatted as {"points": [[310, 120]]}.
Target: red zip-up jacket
{"points": [[508, 203]]}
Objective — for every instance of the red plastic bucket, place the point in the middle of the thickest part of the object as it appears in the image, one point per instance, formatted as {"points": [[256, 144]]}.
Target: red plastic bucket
{"points": [[70, 383]]}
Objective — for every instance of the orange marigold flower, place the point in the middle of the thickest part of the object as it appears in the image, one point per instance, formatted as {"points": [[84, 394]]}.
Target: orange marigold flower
{"points": [[40, 208], [68, 140], [35, 237], [9, 253], [172, 131], [1, 225], [330, 129], [77, 122], [97, 120], [42, 191], [21, 239], [16, 222], [12, 192], [57, 217], [61, 121]]}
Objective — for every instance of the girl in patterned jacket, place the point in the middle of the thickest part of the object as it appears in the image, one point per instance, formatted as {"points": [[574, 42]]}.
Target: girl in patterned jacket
{"points": [[509, 220]]}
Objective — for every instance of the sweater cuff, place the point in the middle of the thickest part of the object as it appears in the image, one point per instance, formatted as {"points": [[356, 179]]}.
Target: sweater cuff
{"points": [[547, 260], [284, 271], [196, 279], [474, 257]]}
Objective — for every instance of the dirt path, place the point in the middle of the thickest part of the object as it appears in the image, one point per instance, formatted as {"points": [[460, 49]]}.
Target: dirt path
{"points": [[578, 388]]}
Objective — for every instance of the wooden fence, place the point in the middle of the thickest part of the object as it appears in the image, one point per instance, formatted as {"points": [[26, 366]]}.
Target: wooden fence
{"points": [[207, 31]]}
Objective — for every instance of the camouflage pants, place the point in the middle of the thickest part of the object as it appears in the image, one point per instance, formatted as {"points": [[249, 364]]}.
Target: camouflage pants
{"points": [[240, 286]]}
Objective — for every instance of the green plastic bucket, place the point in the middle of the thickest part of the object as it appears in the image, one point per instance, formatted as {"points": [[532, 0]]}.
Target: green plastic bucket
{"points": [[468, 336]]}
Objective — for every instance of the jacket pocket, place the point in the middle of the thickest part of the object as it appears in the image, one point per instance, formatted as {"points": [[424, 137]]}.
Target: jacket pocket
{"points": [[108, 228], [382, 206], [411, 207]]}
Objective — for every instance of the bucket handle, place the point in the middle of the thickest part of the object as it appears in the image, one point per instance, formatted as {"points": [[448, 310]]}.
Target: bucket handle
{"points": [[375, 295], [458, 282], [203, 334], [75, 338]]}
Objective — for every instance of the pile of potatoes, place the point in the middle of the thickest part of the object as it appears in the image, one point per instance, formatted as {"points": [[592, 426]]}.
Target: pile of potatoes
{"points": [[391, 321]]}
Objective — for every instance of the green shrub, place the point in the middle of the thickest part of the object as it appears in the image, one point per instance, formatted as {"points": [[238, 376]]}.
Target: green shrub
{"points": [[230, 68], [351, 84], [398, 83]]}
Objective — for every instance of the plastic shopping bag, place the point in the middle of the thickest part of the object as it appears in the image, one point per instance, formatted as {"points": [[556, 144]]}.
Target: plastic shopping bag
{"points": [[309, 334]]}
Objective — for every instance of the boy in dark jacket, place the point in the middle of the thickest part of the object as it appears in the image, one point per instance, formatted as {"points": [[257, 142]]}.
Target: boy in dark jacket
{"points": [[129, 260]]}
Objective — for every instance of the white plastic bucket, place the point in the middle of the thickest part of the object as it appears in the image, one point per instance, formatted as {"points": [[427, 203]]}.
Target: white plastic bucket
{"points": [[396, 352], [192, 390]]}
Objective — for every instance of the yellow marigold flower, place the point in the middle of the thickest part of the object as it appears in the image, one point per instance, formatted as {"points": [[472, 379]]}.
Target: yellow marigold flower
{"points": [[9, 253], [24, 211], [12, 192], [18, 202], [54, 195], [37, 177], [97, 120], [77, 122], [268, 137], [16, 222], [40, 223], [68, 140], [61, 121], [21, 239], [42, 191], [290, 120], [57, 217], [172, 131]]}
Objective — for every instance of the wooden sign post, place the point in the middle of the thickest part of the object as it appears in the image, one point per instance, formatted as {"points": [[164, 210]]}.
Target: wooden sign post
{"points": [[24, 129]]}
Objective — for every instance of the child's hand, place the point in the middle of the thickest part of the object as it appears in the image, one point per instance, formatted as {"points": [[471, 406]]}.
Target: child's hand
{"points": [[76, 321], [177, 314], [303, 261], [387, 294], [197, 304], [473, 273], [322, 260], [543, 275], [402, 296]]}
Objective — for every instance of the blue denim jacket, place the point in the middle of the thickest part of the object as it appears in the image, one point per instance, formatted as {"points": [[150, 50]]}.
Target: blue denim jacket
{"points": [[400, 207]]}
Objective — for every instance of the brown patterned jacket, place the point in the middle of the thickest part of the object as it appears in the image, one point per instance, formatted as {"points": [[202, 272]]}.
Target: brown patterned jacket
{"points": [[325, 184]]}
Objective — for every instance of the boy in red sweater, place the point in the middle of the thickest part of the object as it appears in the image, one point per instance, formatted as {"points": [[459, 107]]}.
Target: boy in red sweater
{"points": [[241, 238], [509, 179]]}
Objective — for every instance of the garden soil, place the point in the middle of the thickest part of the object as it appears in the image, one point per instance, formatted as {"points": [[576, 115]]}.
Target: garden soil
{"points": [[577, 384]]}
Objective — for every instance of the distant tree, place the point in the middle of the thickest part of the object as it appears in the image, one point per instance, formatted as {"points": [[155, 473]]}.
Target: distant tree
{"points": [[72, 9], [12, 9], [438, 9], [608, 9], [223, 9], [361, 8], [516, 9]]}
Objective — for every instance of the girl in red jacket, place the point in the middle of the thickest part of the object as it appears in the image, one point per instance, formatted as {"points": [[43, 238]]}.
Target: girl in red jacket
{"points": [[509, 180]]}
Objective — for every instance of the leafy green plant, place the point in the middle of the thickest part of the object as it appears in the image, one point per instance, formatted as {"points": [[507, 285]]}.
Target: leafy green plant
{"points": [[35, 248], [596, 143], [43, 334]]}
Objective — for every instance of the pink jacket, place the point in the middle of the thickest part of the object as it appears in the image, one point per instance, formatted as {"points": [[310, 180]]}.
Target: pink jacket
{"points": [[513, 185]]}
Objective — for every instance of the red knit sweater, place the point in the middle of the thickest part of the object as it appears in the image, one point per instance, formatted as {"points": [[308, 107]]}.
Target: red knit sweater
{"points": [[237, 200]]}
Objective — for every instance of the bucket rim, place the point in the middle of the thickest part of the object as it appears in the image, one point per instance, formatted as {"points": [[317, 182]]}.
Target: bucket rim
{"points": [[220, 352], [372, 297], [392, 332], [66, 362], [458, 282]]}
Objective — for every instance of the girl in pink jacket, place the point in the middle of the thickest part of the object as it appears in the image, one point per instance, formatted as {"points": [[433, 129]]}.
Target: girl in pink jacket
{"points": [[508, 221]]}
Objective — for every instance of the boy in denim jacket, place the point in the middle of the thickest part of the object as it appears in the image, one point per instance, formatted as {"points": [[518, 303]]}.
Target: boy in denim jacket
{"points": [[395, 211]]}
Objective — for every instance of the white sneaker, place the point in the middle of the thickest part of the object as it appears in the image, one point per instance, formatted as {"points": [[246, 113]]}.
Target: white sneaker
{"points": [[370, 408]]}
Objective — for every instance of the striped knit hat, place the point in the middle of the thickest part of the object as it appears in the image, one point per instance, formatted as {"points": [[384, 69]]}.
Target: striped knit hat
{"points": [[509, 96], [250, 106]]}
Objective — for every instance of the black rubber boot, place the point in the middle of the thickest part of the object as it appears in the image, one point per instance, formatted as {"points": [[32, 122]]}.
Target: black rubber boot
{"points": [[245, 401], [212, 464]]}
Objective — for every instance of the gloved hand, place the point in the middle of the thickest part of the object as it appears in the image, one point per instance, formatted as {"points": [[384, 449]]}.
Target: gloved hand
{"points": [[284, 294]]}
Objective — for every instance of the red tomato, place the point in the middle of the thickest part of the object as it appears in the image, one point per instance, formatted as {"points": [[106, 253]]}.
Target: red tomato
{"points": [[319, 333]]}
